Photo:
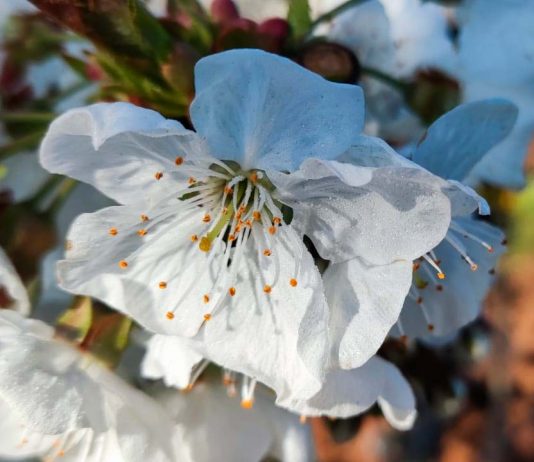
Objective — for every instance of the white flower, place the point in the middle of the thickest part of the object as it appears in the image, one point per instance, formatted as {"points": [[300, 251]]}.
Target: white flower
{"points": [[213, 426], [13, 294], [59, 403], [344, 393], [208, 242], [496, 49], [453, 146]]}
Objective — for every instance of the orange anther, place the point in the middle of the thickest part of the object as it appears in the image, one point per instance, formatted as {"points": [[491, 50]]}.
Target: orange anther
{"points": [[441, 275], [267, 288], [144, 218], [267, 252], [207, 317], [162, 285], [231, 237], [123, 264], [191, 180], [247, 404], [113, 231], [207, 218], [231, 291], [158, 175], [194, 238], [179, 160], [253, 177], [142, 232], [206, 298], [169, 315], [277, 220], [272, 229], [293, 282], [228, 190], [256, 215]]}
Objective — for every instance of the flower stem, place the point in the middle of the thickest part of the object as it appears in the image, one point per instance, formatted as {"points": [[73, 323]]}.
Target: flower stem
{"points": [[328, 16]]}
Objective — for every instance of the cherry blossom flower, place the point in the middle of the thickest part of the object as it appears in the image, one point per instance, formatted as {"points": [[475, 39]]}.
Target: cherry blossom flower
{"points": [[59, 403], [208, 240]]}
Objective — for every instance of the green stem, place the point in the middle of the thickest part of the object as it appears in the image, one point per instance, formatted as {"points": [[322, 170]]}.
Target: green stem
{"points": [[333, 13], [27, 116], [64, 190], [379, 75]]}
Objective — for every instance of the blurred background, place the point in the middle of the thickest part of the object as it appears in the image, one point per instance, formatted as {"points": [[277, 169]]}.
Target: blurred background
{"points": [[475, 392]]}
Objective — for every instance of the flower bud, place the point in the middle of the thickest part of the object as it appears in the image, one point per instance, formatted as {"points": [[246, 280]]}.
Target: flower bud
{"points": [[330, 60]]}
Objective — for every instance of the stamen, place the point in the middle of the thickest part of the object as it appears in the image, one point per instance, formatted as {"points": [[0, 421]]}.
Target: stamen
{"points": [[207, 218], [142, 232], [207, 317], [123, 264], [303, 419], [231, 291], [440, 274], [169, 315], [267, 252], [191, 180], [113, 231], [277, 220], [179, 160], [272, 230], [158, 175], [267, 288], [194, 238], [293, 282], [206, 298], [144, 218], [247, 404], [162, 285], [205, 244], [256, 215]]}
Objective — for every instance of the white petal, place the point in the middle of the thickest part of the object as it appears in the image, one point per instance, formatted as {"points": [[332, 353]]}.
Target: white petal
{"points": [[279, 338], [24, 175], [55, 391], [169, 358], [365, 301], [460, 300], [347, 393], [213, 426], [13, 294], [265, 111], [118, 148], [378, 214], [458, 140]]}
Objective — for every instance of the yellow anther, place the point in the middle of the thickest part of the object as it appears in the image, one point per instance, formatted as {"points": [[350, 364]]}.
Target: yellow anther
{"points": [[267, 288], [144, 218], [204, 244], [267, 253], [441, 275], [272, 229], [207, 218], [162, 285], [231, 291], [179, 160], [256, 215], [142, 232], [169, 315], [113, 231], [206, 298], [194, 238], [158, 175], [123, 264], [207, 317], [293, 282], [247, 404]]}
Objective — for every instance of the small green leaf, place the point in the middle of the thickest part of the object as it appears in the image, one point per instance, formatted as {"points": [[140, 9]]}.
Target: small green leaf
{"points": [[75, 322], [299, 18]]}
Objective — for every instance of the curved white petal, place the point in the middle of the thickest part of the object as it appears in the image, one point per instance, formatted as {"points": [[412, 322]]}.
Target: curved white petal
{"points": [[119, 148], [265, 111], [169, 358], [351, 392], [13, 294], [54, 391], [365, 301], [24, 175], [214, 426], [280, 337], [165, 254], [458, 140], [378, 214], [451, 303]]}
